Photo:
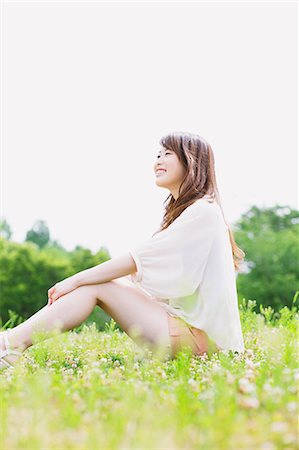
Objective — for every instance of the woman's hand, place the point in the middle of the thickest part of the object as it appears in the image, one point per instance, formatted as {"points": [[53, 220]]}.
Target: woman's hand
{"points": [[61, 288]]}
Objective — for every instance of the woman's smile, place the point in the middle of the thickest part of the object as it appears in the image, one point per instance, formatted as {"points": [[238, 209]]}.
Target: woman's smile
{"points": [[160, 172]]}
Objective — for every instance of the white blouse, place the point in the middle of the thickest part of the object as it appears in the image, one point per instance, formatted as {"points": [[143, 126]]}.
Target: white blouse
{"points": [[188, 268]]}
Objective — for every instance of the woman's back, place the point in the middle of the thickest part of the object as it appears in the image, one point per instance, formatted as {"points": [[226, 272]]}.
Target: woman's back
{"points": [[188, 268]]}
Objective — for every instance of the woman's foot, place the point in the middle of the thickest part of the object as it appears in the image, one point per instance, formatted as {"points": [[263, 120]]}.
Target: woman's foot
{"points": [[9, 354]]}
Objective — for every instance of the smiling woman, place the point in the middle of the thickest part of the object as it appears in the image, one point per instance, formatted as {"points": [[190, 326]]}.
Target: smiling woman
{"points": [[180, 286], [189, 164], [169, 171]]}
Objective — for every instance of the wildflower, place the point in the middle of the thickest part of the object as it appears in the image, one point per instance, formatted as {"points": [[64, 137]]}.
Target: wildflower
{"points": [[230, 378], [103, 360], [268, 445], [208, 394], [192, 382], [249, 353], [249, 363], [216, 368], [245, 386], [267, 387], [292, 389], [277, 391], [248, 402], [202, 357], [289, 438], [292, 406], [96, 371], [279, 427]]}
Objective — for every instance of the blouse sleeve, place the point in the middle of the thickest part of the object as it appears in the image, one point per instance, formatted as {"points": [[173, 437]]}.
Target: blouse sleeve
{"points": [[171, 263]]}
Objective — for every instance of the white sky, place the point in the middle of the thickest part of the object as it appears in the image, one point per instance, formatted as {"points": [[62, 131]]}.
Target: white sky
{"points": [[89, 88]]}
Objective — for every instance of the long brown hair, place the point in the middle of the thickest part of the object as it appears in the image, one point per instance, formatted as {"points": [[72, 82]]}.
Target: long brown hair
{"points": [[197, 157]]}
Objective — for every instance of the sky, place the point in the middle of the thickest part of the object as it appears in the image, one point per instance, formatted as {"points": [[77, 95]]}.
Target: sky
{"points": [[89, 88]]}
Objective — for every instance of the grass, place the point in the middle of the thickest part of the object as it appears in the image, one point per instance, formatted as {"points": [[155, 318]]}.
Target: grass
{"points": [[99, 390]]}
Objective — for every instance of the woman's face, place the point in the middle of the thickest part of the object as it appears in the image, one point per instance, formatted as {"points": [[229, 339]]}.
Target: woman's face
{"points": [[173, 173]]}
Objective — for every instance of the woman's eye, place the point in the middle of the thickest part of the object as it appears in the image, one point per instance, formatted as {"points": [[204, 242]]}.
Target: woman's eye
{"points": [[167, 153]]}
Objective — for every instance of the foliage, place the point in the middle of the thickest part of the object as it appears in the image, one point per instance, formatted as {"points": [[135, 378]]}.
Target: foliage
{"points": [[39, 234], [5, 229], [100, 390], [28, 272], [269, 238]]}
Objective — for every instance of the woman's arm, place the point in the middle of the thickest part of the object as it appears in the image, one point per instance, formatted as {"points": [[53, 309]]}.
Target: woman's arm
{"points": [[107, 271]]}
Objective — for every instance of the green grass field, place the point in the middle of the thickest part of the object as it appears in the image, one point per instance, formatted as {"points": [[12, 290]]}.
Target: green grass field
{"points": [[98, 390]]}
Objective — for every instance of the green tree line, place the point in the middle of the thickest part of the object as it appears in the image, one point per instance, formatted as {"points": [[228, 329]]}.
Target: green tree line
{"points": [[30, 268], [269, 274]]}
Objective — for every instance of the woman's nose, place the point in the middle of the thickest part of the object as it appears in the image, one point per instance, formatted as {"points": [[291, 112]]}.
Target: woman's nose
{"points": [[159, 161]]}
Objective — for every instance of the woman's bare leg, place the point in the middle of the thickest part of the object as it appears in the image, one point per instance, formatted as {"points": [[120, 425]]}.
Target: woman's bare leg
{"points": [[140, 317], [66, 313]]}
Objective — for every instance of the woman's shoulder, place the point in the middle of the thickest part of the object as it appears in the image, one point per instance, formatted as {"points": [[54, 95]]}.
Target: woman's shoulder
{"points": [[205, 203], [200, 209], [205, 209]]}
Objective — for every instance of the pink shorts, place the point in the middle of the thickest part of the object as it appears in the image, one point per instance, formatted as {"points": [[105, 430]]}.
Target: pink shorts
{"points": [[181, 334]]}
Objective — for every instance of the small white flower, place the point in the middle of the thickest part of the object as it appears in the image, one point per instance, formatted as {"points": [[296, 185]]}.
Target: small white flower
{"points": [[103, 359], [245, 386], [268, 445], [279, 427], [292, 406], [250, 375], [248, 402], [292, 389], [249, 363], [267, 387], [289, 438], [230, 378], [249, 352]]}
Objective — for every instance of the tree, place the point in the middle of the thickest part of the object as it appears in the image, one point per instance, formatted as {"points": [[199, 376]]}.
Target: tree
{"points": [[5, 230], [26, 276], [269, 238], [39, 234], [27, 273]]}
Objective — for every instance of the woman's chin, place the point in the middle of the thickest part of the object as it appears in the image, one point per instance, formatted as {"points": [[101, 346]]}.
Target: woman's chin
{"points": [[159, 183]]}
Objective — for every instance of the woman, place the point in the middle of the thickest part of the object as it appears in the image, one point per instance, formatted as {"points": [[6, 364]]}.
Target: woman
{"points": [[176, 289]]}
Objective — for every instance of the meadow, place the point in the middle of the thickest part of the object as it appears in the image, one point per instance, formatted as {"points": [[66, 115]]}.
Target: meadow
{"points": [[90, 389]]}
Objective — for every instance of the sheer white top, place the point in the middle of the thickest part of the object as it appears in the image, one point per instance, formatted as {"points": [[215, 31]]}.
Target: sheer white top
{"points": [[188, 268]]}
